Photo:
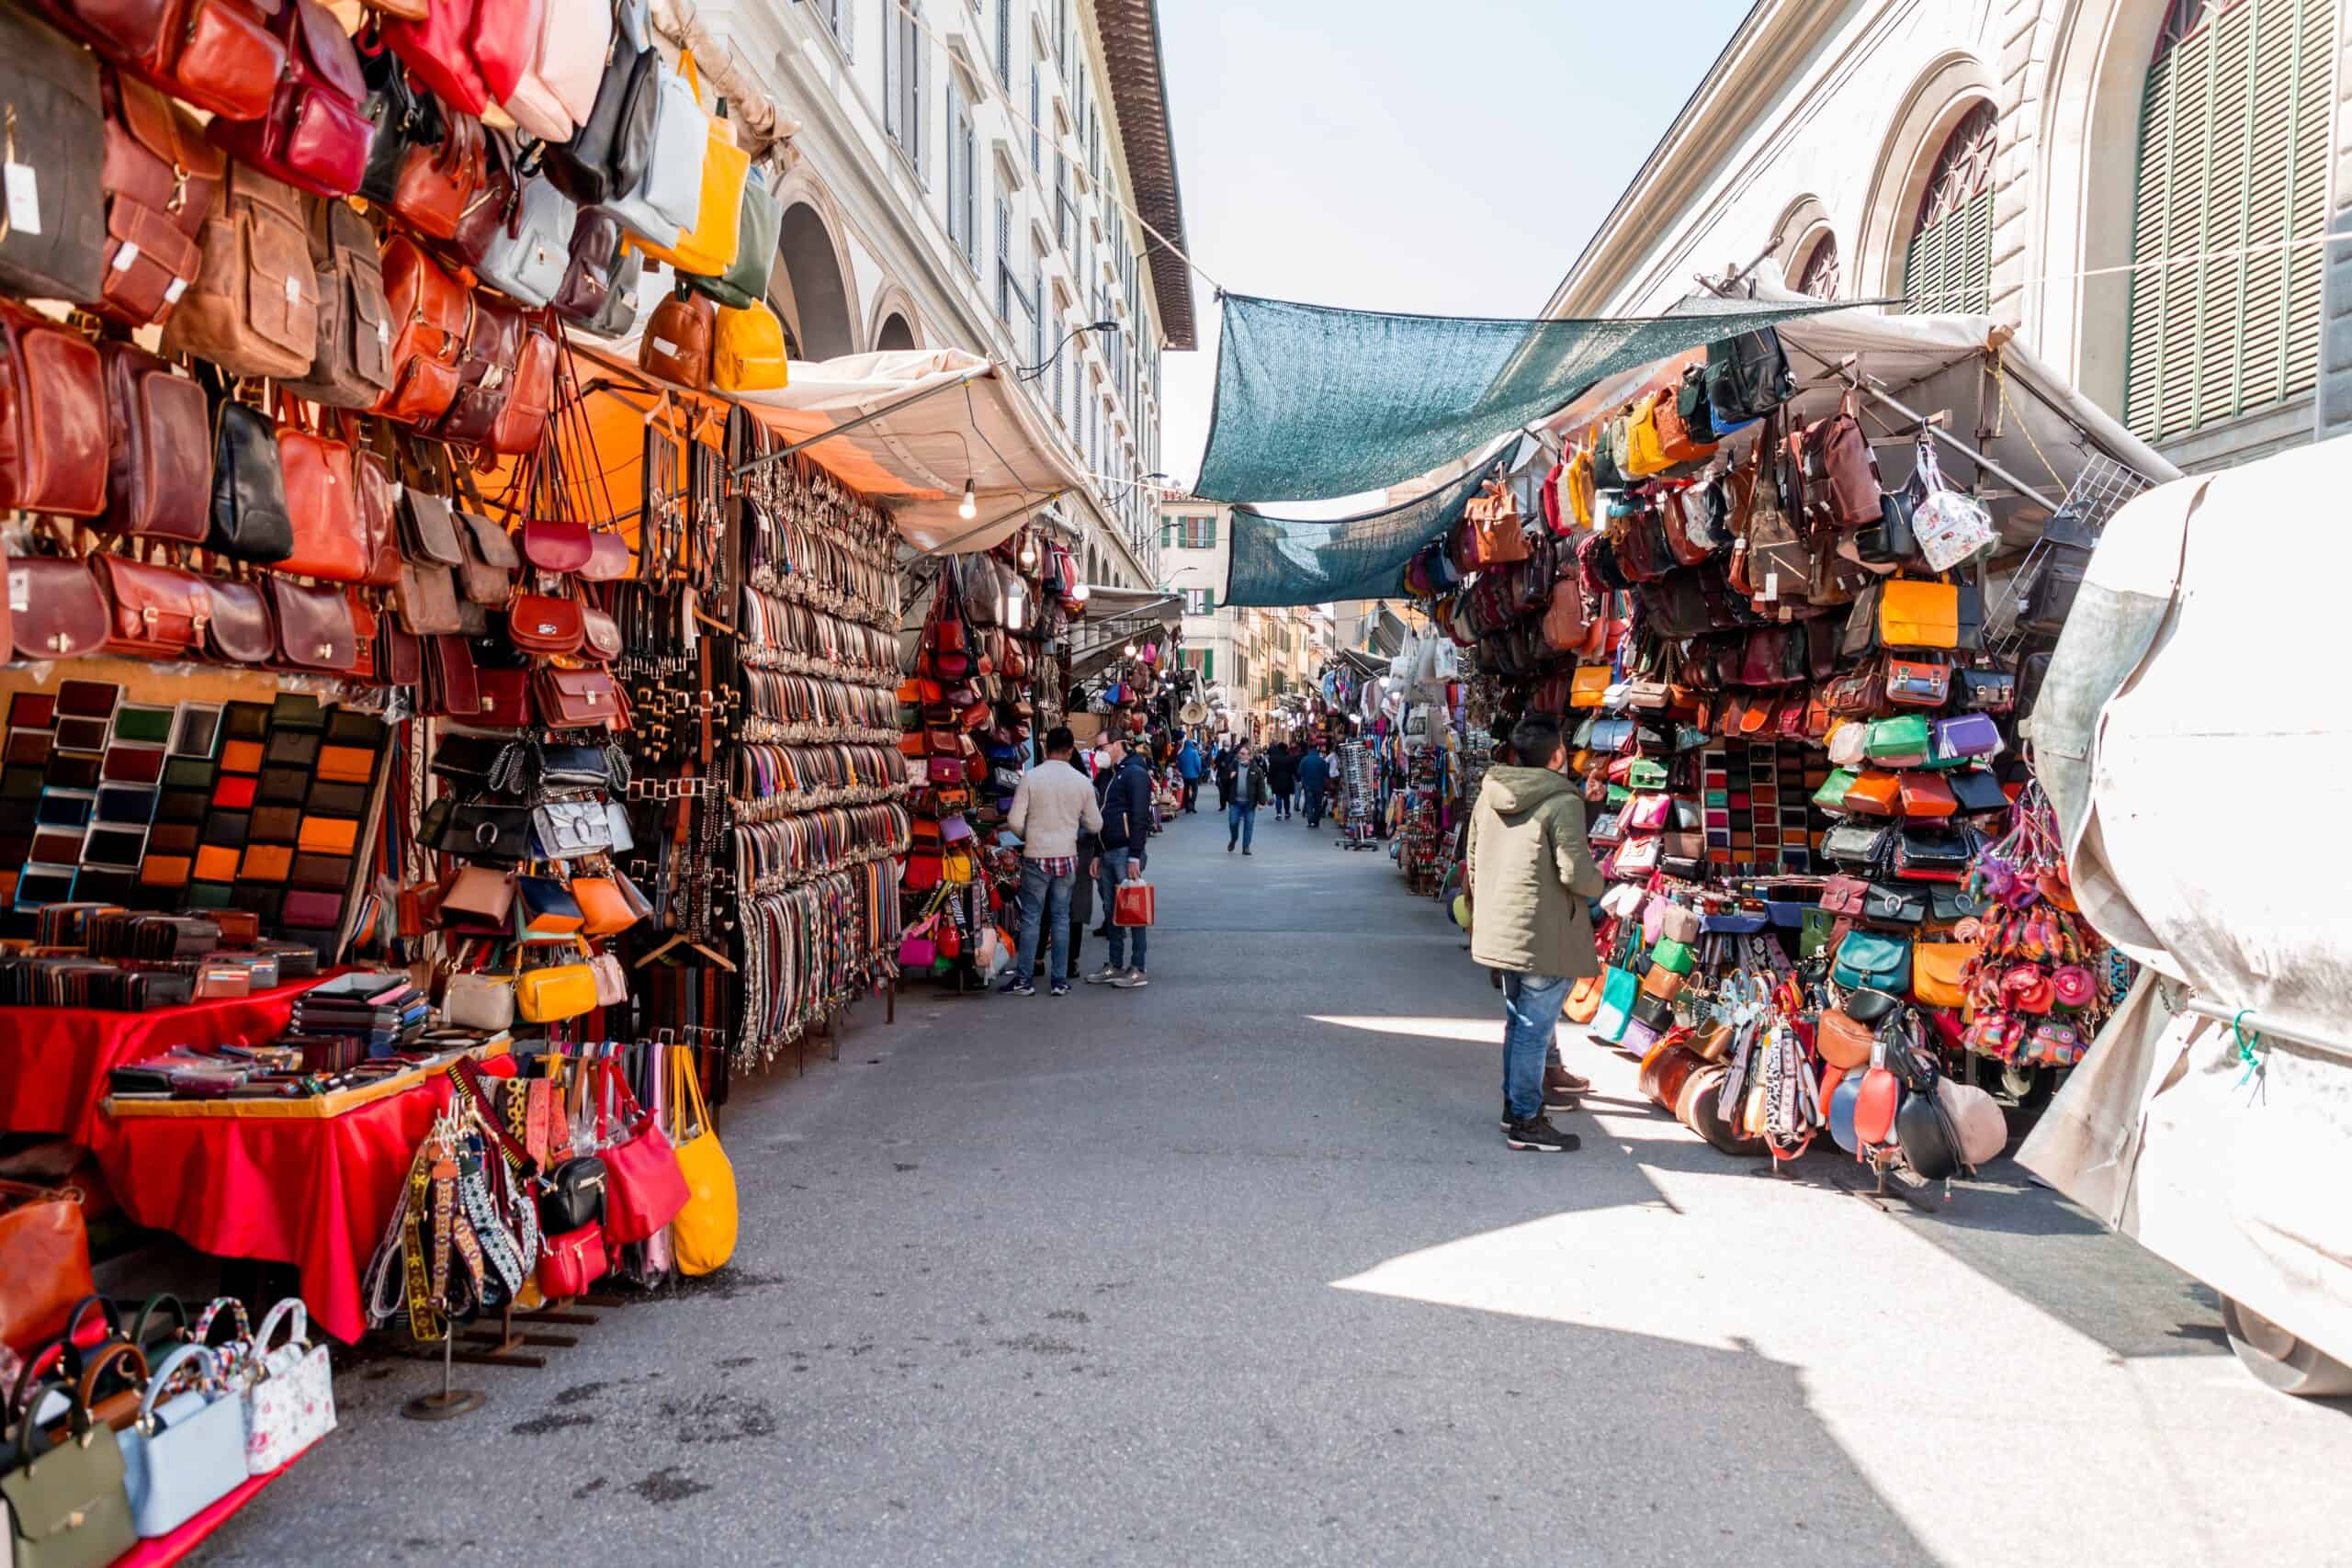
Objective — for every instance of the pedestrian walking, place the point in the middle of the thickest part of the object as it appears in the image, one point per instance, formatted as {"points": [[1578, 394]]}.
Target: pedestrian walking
{"points": [[1051, 808], [1122, 801], [1314, 778], [1220, 770], [1246, 789], [1188, 768], [1282, 775], [1530, 872]]}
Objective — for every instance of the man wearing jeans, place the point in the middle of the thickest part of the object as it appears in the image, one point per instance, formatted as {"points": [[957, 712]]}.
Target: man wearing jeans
{"points": [[1530, 872], [1053, 807], [1123, 792]]}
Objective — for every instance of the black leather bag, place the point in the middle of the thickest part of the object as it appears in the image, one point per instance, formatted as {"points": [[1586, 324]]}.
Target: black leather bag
{"points": [[607, 153], [487, 835], [1985, 691], [1748, 378], [1887, 906], [1977, 791], [403, 118], [250, 520], [573, 1195], [49, 91], [1890, 541], [2051, 596], [1930, 1145]]}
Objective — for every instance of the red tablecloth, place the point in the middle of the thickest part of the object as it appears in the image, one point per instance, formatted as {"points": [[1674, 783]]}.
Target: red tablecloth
{"points": [[53, 1061], [315, 1193]]}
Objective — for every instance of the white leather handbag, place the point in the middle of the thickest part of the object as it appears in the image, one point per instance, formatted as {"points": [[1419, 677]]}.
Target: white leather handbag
{"points": [[556, 93], [479, 1001], [290, 1404], [668, 201], [185, 1453], [527, 261]]}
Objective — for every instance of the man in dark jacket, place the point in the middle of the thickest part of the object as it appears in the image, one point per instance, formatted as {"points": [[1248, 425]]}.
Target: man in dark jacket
{"points": [[1123, 791], [1530, 873], [1244, 787], [1314, 778], [1281, 772], [1221, 772]]}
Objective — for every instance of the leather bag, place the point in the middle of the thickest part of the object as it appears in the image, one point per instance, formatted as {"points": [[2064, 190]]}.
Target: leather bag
{"points": [[745, 284], [748, 354], [430, 313], [44, 1262], [55, 607], [254, 308], [249, 519], [314, 135], [707, 242], [351, 361], [573, 1195], [1841, 1042], [439, 49], [488, 352], [315, 628], [665, 200], [220, 55], [505, 41], [439, 184], [321, 497], [67, 1507], [571, 1261], [702, 1235], [605, 156], [54, 424], [537, 623], [159, 466], [593, 259], [678, 340], [577, 699], [153, 611], [187, 1452], [487, 571], [644, 1190], [1919, 614], [161, 178], [1938, 969], [1875, 960], [556, 92], [49, 93], [523, 413], [527, 258]]}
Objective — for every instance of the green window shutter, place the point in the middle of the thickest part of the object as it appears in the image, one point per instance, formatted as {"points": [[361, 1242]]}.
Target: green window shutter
{"points": [[1208, 600], [2233, 157], [1208, 664], [1949, 266], [1208, 528]]}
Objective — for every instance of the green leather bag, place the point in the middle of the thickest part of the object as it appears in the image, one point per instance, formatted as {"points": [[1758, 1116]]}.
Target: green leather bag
{"points": [[67, 1507], [759, 226]]}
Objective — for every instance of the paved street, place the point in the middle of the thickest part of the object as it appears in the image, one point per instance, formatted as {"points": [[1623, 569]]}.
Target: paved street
{"points": [[1236, 1270]]}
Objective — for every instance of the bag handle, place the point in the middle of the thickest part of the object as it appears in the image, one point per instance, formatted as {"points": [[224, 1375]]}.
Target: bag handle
{"points": [[290, 1307], [161, 1378]]}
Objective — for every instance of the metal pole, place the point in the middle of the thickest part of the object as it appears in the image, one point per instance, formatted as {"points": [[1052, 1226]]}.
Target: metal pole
{"points": [[2262, 1023]]}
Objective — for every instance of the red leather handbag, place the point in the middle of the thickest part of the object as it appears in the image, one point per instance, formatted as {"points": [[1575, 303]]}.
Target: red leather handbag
{"points": [[314, 626], [430, 309], [506, 42], [53, 417], [161, 177], [537, 623], [557, 545], [238, 630], [644, 1190], [64, 609], [377, 490], [485, 365], [154, 612], [577, 699], [571, 1262], [219, 55], [323, 500], [159, 469], [530, 400], [315, 135], [440, 50], [437, 184], [505, 697]]}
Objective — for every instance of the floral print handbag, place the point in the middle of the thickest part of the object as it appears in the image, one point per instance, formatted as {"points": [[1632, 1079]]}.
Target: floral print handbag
{"points": [[292, 1398]]}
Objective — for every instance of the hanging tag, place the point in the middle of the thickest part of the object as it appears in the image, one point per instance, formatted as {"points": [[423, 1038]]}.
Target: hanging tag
{"points": [[179, 288], [293, 290], [126, 255], [24, 197], [20, 591], [1771, 585]]}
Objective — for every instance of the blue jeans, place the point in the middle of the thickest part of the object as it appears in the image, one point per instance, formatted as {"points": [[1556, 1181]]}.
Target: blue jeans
{"points": [[1241, 822], [1314, 794], [1043, 899], [1110, 872], [1531, 1006]]}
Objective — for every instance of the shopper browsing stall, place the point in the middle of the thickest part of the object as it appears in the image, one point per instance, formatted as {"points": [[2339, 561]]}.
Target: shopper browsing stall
{"points": [[1053, 807]]}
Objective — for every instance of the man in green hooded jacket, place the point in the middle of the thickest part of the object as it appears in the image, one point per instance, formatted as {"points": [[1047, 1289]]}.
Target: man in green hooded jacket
{"points": [[1530, 872]]}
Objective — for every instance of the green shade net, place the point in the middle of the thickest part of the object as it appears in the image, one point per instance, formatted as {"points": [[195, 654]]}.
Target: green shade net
{"points": [[1274, 562], [1313, 402]]}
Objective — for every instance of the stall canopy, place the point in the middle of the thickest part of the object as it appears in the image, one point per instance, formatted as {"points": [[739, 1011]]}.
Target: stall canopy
{"points": [[1114, 617], [924, 421], [1315, 402], [1276, 561]]}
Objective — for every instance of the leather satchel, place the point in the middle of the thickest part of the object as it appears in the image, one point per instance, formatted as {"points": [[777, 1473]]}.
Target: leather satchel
{"points": [[557, 545], [49, 93], [220, 55], [577, 699], [161, 178], [351, 364], [53, 435], [487, 573], [315, 628], [254, 308], [55, 607], [237, 628], [537, 623], [430, 310], [323, 500], [428, 600], [153, 611], [439, 184], [314, 135], [159, 468], [678, 338]]}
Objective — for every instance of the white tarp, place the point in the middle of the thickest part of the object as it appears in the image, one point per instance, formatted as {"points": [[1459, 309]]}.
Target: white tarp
{"points": [[2202, 776]]}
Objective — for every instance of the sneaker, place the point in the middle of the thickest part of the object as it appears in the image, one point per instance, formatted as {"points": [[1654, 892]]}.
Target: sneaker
{"points": [[1559, 1101], [1106, 976], [1539, 1136], [1061, 988], [1228, 846], [1133, 980], [1249, 851], [1558, 1080], [1017, 988]]}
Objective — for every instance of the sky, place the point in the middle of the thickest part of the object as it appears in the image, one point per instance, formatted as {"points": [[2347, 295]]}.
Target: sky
{"points": [[1446, 159]]}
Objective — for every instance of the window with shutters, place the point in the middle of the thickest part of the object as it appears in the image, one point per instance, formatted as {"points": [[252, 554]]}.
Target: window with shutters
{"points": [[1004, 42], [2234, 154], [836, 15], [1036, 123], [1820, 275], [1005, 286], [906, 66], [962, 177], [1199, 601], [1949, 264]]}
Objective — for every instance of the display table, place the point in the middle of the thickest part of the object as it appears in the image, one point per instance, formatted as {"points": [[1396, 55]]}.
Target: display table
{"points": [[53, 1061], [316, 1193]]}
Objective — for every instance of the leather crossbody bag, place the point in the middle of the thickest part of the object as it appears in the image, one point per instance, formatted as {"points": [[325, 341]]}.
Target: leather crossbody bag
{"points": [[159, 466], [254, 308], [314, 135], [54, 424], [161, 178]]}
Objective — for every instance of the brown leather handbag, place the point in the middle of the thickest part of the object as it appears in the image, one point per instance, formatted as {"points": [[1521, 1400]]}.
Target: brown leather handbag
{"points": [[428, 600], [540, 623], [154, 612], [44, 1262], [49, 93], [56, 608], [314, 134], [254, 308], [485, 364], [219, 55], [530, 395], [323, 500], [351, 364], [159, 466], [315, 630], [429, 310], [677, 342], [437, 184], [53, 435], [238, 630], [377, 493], [577, 699], [162, 178], [487, 573]]}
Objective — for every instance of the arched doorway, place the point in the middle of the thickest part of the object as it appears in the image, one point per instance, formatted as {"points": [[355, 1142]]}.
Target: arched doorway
{"points": [[812, 269], [895, 333]]}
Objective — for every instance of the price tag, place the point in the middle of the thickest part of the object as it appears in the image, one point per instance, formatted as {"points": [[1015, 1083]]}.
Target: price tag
{"points": [[126, 255], [293, 290], [24, 199], [1771, 585], [172, 295], [21, 590]]}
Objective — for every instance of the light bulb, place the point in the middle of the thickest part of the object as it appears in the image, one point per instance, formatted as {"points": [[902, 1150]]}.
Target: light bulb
{"points": [[1079, 593], [1028, 552], [969, 507], [1131, 651]]}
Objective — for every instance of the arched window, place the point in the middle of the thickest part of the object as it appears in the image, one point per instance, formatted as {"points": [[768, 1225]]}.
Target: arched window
{"points": [[1821, 273], [1949, 264], [2234, 154]]}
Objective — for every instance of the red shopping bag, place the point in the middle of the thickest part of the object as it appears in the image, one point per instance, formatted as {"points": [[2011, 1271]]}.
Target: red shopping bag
{"points": [[1134, 905]]}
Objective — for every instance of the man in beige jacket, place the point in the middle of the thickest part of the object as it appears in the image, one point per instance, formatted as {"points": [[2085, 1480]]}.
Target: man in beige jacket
{"points": [[1053, 805], [1530, 873]]}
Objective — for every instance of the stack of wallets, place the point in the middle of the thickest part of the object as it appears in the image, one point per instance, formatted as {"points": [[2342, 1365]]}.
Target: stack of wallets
{"points": [[91, 983], [381, 1010], [122, 933]]}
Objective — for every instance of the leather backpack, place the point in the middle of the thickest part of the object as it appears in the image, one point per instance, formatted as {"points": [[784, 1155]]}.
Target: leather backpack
{"points": [[531, 252], [758, 225], [1748, 378], [322, 498], [617, 318], [708, 242], [54, 434], [487, 353], [315, 136], [351, 367], [665, 201], [403, 119], [430, 310], [158, 463], [49, 91], [249, 519], [748, 354], [594, 257], [530, 395], [677, 342], [254, 308], [1842, 467], [161, 178]]}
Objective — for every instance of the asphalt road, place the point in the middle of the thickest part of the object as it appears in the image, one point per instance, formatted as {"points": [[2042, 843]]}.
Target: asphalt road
{"points": [[1236, 1270]]}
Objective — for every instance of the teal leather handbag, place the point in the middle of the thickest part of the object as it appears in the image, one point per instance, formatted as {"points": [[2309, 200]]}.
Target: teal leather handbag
{"points": [[1873, 960], [1618, 991]]}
